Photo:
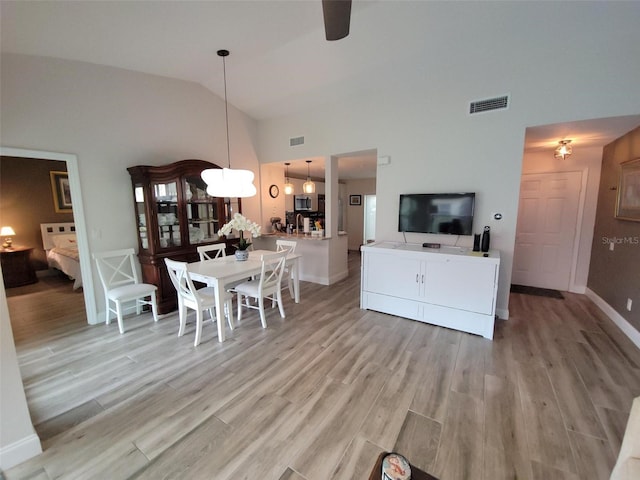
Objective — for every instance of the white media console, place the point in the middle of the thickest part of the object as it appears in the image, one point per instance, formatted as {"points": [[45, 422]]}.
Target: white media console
{"points": [[451, 286]]}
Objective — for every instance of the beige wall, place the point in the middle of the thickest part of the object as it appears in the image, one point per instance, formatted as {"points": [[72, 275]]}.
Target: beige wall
{"points": [[615, 275], [26, 201]]}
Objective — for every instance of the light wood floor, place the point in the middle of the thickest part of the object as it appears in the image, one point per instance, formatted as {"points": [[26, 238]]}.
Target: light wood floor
{"points": [[321, 393]]}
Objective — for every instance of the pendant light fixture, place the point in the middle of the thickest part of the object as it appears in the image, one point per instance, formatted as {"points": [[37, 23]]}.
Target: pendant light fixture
{"points": [[225, 182], [288, 186], [308, 186], [563, 150]]}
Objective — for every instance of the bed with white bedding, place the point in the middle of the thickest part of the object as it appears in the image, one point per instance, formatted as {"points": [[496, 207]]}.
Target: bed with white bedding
{"points": [[61, 246]]}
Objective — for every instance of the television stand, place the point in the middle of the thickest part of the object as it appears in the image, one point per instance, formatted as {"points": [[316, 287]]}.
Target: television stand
{"points": [[450, 287]]}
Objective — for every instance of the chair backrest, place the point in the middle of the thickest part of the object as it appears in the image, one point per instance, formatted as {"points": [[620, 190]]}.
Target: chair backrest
{"points": [[181, 280], [205, 252], [116, 268], [272, 269], [286, 245]]}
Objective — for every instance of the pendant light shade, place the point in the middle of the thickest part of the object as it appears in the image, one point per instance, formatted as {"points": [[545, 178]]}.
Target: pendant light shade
{"points": [[564, 149], [225, 182], [288, 186], [308, 186]]}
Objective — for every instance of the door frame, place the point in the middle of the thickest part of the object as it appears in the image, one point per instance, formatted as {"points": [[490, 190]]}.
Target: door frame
{"points": [[78, 218]]}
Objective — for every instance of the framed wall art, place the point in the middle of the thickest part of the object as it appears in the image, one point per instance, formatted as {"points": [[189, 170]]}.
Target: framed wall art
{"points": [[61, 192], [628, 201], [355, 199]]}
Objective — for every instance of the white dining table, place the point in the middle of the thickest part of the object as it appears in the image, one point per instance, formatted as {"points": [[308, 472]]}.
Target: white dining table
{"points": [[221, 271]]}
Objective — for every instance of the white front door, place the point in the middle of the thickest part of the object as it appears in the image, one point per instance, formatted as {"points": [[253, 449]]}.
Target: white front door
{"points": [[546, 231]]}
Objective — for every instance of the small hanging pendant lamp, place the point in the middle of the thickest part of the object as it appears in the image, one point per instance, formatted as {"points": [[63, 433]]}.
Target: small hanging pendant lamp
{"points": [[288, 186], [308, 186]]}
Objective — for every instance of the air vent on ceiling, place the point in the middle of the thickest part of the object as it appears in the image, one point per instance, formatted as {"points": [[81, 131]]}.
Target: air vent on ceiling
{"points": [[497, 103], [296, 141]]}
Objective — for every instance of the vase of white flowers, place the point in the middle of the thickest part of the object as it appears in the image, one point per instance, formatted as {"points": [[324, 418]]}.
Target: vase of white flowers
{"points": [[240, 223]]}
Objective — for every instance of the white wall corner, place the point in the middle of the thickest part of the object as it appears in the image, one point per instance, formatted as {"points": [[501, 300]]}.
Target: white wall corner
{"points": [[20, 451], [619, 320], [502, 313]]}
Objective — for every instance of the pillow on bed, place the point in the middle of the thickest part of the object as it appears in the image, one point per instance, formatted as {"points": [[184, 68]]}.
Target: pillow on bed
{"points": [[65, 240]]}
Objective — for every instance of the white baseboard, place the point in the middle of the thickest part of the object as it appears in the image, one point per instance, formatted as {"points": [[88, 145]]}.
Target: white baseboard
{"points": [[578, 289], [619, 320], [20, 451]]}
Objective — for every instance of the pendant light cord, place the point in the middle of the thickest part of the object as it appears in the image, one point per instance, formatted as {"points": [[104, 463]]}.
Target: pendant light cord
{"points": [[223, 54]]}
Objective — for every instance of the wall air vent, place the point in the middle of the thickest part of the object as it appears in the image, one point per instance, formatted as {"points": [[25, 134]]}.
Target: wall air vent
{"points": [[296, 141], [497, 103]]}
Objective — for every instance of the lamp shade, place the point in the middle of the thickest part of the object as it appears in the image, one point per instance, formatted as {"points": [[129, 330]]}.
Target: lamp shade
{"points": [[7, 232], [224, 182]]}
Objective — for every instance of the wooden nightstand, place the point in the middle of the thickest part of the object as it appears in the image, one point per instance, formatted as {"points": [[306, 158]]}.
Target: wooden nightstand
{"points": [[16, 267]]}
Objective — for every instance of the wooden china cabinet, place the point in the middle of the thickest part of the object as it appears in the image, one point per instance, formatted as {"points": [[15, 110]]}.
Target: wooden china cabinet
{"points": [[174, 215]]}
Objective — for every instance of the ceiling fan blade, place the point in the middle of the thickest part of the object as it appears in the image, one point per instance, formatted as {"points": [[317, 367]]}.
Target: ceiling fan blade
{"points": [[337, 15]]}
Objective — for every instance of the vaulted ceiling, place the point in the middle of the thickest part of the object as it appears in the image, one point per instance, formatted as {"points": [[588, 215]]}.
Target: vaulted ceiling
{"points": [[280, 62]]}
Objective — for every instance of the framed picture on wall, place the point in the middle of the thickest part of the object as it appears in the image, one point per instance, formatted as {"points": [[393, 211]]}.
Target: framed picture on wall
{"points": [[628, 201], [61, 192], [355, 199]]}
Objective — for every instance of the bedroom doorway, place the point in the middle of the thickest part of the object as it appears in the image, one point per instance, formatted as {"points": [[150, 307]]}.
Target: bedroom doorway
{"points": [[71, 162]]}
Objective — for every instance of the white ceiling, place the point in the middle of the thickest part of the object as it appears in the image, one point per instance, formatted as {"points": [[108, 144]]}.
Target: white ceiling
{"points": [[280, 62]]}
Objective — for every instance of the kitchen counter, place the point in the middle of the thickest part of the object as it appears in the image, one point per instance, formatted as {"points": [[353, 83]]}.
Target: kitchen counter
{"points": [[324, 259], [299, 236]]}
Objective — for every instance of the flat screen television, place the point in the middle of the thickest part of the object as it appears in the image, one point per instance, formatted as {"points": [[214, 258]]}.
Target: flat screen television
{"points": [[443, 213]]}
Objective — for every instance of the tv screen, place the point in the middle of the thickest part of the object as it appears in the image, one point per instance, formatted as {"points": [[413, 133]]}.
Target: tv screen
{"points": [[444, 213]]}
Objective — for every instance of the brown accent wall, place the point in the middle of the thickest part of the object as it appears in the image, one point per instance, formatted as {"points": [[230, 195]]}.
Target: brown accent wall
{"points": [[26, 201], [615, 275]]}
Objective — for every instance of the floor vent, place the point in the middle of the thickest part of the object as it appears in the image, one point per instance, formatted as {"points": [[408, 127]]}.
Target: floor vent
{"points": [[296, 141], [497, 103]]}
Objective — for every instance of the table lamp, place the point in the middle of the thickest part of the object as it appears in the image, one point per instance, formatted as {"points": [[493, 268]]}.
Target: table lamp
{"points": [[7, 232]]}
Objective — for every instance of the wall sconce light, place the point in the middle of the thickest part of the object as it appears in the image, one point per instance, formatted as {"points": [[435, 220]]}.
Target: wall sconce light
{"points": [[308, 186], [288, 186], [564, 149], [7, 232]]}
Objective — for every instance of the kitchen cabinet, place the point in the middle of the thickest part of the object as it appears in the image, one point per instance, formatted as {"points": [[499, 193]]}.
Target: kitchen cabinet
{"points": [[174, 214], [451, 287]]}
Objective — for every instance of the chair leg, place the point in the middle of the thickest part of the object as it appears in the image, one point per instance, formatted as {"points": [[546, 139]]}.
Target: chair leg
{"points": [[228, 306], [154, 307], [182, 316], [262, 317], [119, 314], [239, 307], [291, 285], [280, 306], [106, 302], [199, 315]]}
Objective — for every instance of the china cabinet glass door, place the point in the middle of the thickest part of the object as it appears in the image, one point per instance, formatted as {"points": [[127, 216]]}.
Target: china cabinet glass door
{"points": [[203, 216], [166, 196], [141, 215]]}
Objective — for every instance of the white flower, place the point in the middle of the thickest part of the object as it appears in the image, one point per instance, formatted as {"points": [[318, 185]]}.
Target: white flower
{"points": [[240, 223]]}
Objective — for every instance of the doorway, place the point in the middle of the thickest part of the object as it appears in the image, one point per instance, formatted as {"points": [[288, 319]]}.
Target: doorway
{"points": [[546, 231], [78, 215], [369, 219]]}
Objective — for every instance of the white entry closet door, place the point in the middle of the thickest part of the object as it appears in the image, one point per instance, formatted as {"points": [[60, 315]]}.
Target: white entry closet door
{"points": [[546, 231]]}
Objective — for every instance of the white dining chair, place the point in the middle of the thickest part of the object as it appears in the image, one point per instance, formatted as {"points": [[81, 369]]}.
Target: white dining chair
{"points": [[209, 252], [197, 299], [119, 277], [288, 246], [268, 286]]}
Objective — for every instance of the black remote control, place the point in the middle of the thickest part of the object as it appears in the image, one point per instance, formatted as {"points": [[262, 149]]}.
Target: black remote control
{"points": [[431, 245]]}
